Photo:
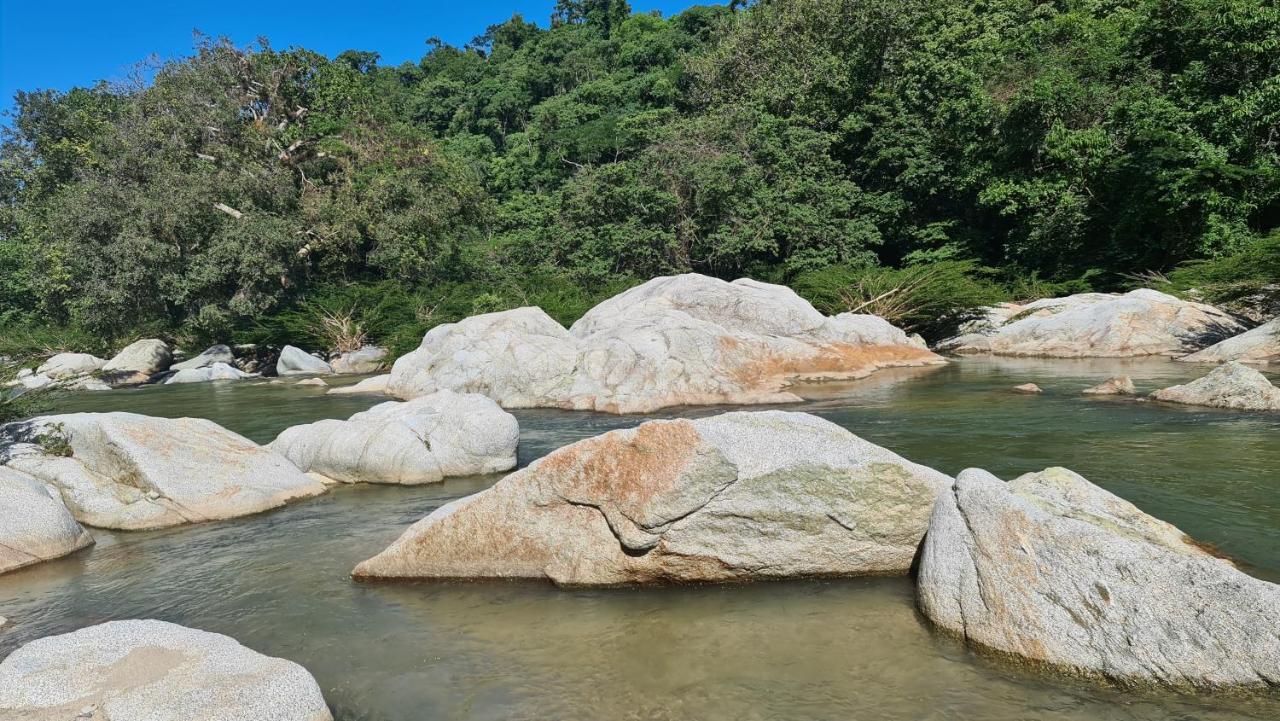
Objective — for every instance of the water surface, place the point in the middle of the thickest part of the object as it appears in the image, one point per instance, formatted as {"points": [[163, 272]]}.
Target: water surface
{"points": [[852, 649]]}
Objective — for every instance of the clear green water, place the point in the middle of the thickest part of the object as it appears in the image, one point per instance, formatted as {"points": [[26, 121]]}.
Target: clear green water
{"points": [[854, 649]]}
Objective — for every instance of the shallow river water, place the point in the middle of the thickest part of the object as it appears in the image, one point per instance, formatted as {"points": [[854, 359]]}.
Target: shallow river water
{"points": [[850, 649]]}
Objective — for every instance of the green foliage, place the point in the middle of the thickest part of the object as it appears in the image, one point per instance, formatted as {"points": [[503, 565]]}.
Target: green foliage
{"points": [[1252, 271], [253, 193]]}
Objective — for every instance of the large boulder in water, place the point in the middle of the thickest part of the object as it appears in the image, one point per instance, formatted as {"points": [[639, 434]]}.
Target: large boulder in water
{"points": [[128, 471], [1260, 345], [68, 365], [211, 355], [679, 340], [734, 497], [1138, 323], [143, 358], [294, 361], [154, 671], [34, 523], [1054, 570], [213, 372], [1231, 385], [369, 359], [418, 441]]}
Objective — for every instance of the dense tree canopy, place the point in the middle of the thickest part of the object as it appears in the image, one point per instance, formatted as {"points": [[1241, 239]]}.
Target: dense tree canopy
{"points": [[1065, 140]]}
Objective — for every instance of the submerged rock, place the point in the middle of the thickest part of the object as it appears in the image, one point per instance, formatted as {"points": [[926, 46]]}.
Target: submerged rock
{"points": [[1231, 385], [68, 365], [368, 359], [211, 355], [1138, 323], [154, 671], [1054, 570], [1260, 345], [214, 372], [312, 382], [733, 497], [128, 471], [1028, 388], [142, 358], [34, 523], [376, 385], [419, 441], [1117, 386], [295, 361], [679, 340]]}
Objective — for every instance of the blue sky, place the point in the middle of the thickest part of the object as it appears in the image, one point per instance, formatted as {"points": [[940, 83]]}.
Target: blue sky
{"points": [[57, 44]]}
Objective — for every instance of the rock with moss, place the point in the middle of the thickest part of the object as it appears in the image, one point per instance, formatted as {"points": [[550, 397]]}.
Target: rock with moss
{"points": [[157, 671], [419, 441], [35, 524], [734, 497], [131, 472], [1052, 570], [1100, 325], [1231, 385], [1259, 346]]}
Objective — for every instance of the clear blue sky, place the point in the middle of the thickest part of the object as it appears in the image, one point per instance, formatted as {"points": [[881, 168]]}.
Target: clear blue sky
{"points": [[61, 44]]}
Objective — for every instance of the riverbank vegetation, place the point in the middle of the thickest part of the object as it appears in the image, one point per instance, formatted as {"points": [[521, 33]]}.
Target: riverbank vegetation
{"points": [[960, 152]]}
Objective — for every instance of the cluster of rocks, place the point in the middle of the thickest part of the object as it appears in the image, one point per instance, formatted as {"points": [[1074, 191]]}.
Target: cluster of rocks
{"points": [[1230, 385], [678, 340]]}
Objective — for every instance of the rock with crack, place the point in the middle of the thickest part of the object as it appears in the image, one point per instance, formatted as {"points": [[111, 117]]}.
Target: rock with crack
{"points": [[157, 671], [734, 497], [1051, 569], [418, 441], [1231, 385], [211, 355], [130, 472], [1100, 325], [678, 340], [294, 361], [35, 525], [1258, 346], [376, 385]]}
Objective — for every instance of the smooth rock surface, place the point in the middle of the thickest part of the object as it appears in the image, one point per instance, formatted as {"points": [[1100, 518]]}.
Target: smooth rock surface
{"points": [[35, 525], [376, 385], [1138, 323], [295, 361], [1260, 346], [312, 382], [1028, 388], [369, 359], [214, 372], [1117, 386], [733, 497], [146, 357], [153, 671], [1231, 385], [418, 441], [67, 365], [212, 354], [678, 340], [1051, 569], [131, 472]]}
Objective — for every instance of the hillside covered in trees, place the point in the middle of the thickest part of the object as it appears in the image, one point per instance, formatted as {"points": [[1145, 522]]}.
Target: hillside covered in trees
{"points": [[966, 150]]}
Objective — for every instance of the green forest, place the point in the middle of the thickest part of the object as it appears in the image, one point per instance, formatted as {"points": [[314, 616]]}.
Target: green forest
{"points": [[968, 150]]}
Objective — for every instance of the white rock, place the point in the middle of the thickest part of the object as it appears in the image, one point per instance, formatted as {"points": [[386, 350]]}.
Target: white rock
{"points": [[295, 361], [1028, 388], [67, 365], [199, 470], [1260, 345], [419, 441], [211, 355], [368, 359], [30, 382], [34, 523], [376, 385], [1117, 386], [146, 357], [1052, 569], [311, 382], [1138, 323], [154, 671], [679, 340], [1231, 385], [739, 496], [203, 374]]}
